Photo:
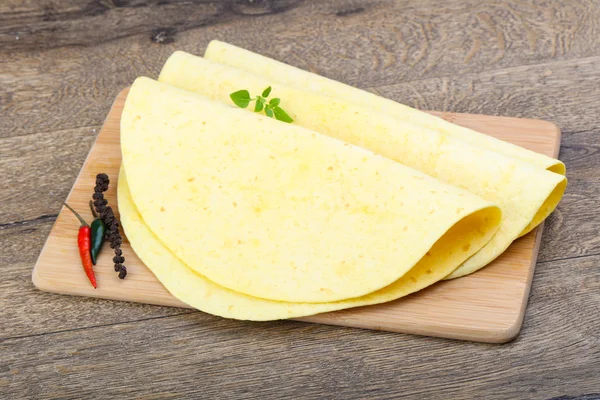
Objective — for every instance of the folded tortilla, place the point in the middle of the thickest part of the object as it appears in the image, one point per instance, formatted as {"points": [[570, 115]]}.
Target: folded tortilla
{"points": [[526, 194], [276, 71], [279, 212], [198, 292]]}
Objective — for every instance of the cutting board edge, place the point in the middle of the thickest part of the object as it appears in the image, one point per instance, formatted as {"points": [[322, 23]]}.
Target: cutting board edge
{"points": [[497, 335]]}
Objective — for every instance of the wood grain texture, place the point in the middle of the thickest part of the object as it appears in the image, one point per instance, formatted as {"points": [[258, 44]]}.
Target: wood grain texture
{"points": [[41, 168], [572, 230], [487, 306], [550, 91], [71, 62], [59, 79], [196, 356], [391, 34]]}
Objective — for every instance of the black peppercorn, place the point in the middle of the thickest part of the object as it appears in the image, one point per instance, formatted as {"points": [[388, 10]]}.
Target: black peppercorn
{"points": [[108, 217]]}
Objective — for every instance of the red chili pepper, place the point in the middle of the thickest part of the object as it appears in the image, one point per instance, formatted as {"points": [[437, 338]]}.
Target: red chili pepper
{"points": [[84, 243]]}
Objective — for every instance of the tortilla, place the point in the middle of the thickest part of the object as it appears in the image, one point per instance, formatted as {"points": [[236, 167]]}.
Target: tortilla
{"points": [[276, 71], [198, 292], [525, 193], [276, 211]]}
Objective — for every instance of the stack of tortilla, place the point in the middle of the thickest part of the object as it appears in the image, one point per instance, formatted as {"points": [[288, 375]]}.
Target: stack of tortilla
{"points": [[359, 201]]}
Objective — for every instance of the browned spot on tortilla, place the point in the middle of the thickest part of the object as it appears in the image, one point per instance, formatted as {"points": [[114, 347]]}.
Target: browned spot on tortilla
{"points": [[162, 209], [191, 179]]}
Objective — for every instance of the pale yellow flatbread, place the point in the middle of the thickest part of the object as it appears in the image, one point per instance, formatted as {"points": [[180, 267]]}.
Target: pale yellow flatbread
{"points": [[198, 292], [525, 193], [276, 211], [276, 71]]}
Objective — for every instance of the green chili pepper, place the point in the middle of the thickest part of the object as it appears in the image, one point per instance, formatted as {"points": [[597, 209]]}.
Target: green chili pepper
{"points": [[98, 229]]}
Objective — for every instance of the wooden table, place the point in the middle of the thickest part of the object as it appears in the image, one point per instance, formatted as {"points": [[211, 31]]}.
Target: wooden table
{"points": [[63, 62]]}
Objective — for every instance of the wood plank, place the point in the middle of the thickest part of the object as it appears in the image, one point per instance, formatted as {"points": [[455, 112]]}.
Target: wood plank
{"points": [[371, 44], [198, 356], [366, 40], [27, 311], [83, 23], [572, 230], [550, 91], [487, 306], [40, 170]]}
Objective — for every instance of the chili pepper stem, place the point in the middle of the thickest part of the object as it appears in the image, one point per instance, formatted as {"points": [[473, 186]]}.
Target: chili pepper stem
{"points": [[94, 213], [83, 223]]}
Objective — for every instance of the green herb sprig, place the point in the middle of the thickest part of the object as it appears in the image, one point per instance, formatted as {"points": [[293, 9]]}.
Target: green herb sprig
{"points": [[242, 99]]}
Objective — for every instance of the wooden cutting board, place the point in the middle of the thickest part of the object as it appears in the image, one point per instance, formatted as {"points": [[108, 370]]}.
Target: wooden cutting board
{"points": [[487, 306]]}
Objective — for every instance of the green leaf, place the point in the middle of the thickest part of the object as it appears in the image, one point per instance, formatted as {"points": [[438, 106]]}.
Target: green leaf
{"points": [[241, 98], [260, 103], [282, 115]]}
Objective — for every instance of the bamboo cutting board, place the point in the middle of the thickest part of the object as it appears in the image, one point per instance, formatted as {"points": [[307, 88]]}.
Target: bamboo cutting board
{"points": [[487, 306]]}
